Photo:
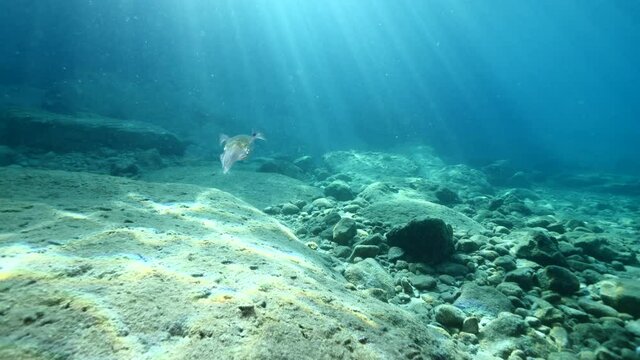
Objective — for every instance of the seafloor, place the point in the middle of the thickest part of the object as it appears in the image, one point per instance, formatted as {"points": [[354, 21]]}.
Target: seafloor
{"points": [[123, 251]]}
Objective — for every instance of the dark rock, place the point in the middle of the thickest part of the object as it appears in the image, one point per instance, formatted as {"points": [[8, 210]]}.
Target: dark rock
{"points": [[342, 251], [364, 251], [621, 294], [61, 133], [339, 190], [423, 282], [453, 269], [482, 300], [427, 239], [449, 315], [446, 196], [375, 239], [558, 279], [542, 249], [521, 276], [344, 231], [471, 325]]}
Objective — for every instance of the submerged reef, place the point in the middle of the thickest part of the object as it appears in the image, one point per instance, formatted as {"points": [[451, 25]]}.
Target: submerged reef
{"points": [[357, 255]]}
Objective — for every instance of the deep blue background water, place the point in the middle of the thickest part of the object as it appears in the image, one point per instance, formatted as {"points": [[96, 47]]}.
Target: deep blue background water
{"points": [[547, 84]]}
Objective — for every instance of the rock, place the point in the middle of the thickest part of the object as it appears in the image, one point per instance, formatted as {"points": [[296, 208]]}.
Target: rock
{"points": [[342, 252], [574, 313], [522, 276], [633, 327], [510, 289], [339, 190], [368, 274], [471, 325], [482, 300], [605, 249], [621, 294], [597, 309], [283, 167], [376, 191], [449, 315], [423, 282], [289, 209], [305, 163], [427, 239], [446, 196], [453, 269], [507, 262], [62, 133], [468, 245], [560, 337], [364, 251], [542, 249], [504, 326], [370, 164], [322, 203], [344, 231], [558, 279], [395, 253], [375, 239], [398, 209]]}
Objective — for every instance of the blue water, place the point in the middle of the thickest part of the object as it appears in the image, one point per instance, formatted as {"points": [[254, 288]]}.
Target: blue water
{"points": [[548, 84]]}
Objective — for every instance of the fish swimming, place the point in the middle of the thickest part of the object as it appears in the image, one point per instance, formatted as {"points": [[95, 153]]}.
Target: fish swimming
{"points": [[236, 148]]}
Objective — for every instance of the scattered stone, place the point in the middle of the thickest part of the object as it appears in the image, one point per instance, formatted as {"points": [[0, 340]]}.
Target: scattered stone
{"points": [[505, 325], [368, 274], [449, 315], [282, 167], [542, 249], [395, 253], [446, 196], [453, 269], [507, 262], [468, 245], [423, 282], [427, 239], [364, 251], [482, 300], [558, 279], [322, 203], [621, 294], [289, 209], [305, 163], [344, 231], [339, 190], [471, 325]]}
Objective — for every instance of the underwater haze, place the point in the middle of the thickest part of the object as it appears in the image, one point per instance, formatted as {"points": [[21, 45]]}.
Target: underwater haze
{"points": [[547, 85], [331, 179]]}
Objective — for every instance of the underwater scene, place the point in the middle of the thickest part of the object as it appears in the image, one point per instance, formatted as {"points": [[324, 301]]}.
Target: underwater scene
{"points": [[337, 179]]}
